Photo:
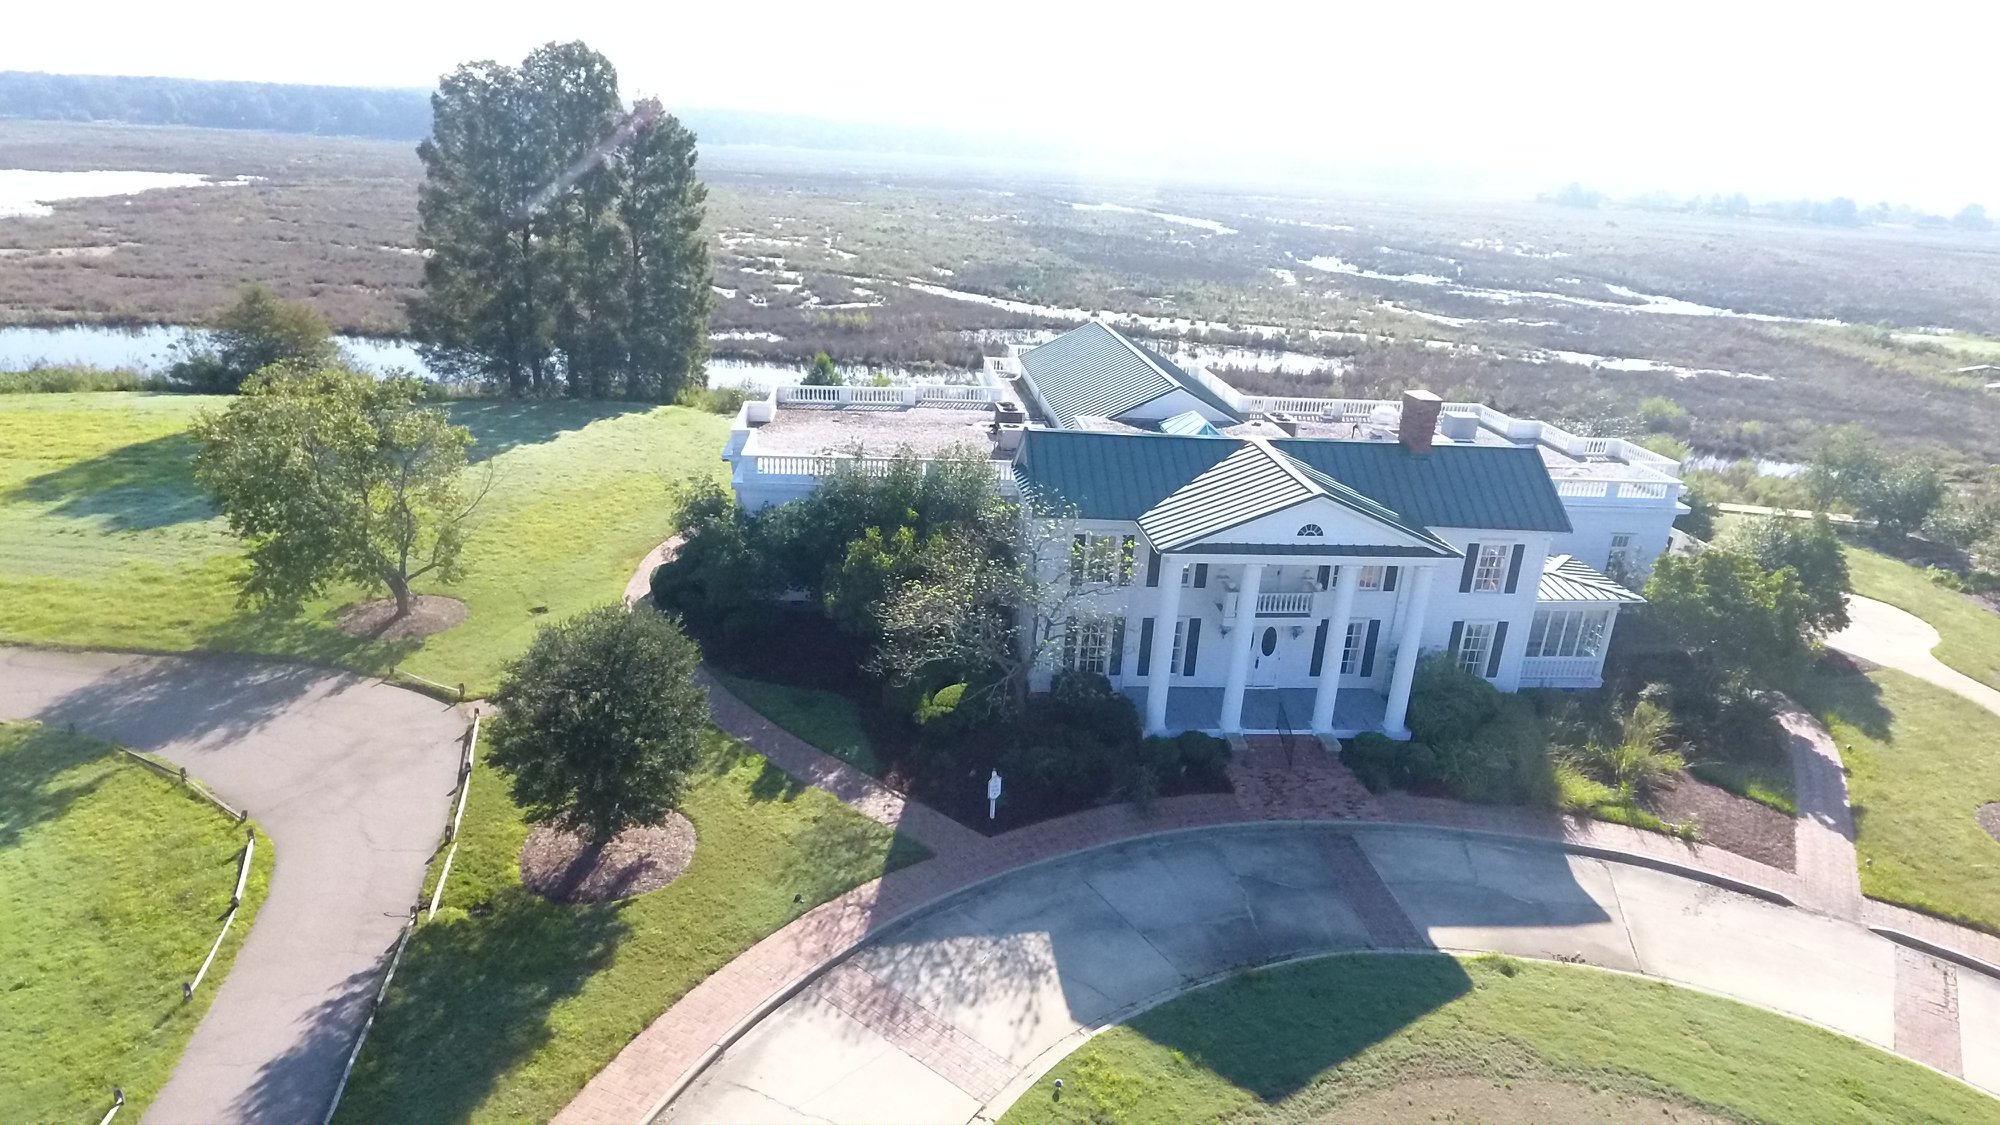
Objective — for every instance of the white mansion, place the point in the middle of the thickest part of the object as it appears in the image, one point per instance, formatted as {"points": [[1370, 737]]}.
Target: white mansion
{"points": [[1255, 564]]}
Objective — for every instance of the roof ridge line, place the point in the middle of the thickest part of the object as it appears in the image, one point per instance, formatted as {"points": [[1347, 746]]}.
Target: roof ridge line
{"points": [[1173, 384], [1291, 468]]}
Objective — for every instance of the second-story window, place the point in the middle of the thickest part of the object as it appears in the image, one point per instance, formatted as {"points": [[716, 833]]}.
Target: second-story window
{"points": [[1490, 575], [1618, 561], [1102, 558], [1371, 578]]}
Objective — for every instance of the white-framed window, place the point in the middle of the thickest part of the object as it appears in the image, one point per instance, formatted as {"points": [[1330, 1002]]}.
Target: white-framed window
{"points": [[1489, 575], [1102, 558], [1475, 645], [1310, 530], [1087, 644], [1187, 575], [1180, 645], [1371, 577], [1619, 559], [1567, 632], [1351, 647]]}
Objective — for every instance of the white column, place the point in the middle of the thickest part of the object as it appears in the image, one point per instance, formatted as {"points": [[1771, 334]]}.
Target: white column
{"points": [[1159, 671], [1239, 649], [1406, 654], [1336, 643]]}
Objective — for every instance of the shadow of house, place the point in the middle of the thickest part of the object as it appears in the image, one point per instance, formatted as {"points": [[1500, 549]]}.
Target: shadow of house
{"points": [[138, 487]]}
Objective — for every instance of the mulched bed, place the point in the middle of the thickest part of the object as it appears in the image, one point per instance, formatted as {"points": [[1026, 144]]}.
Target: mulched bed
{"points": [[564, 867], [1732, 823], [1989, 818], [377, 620]]}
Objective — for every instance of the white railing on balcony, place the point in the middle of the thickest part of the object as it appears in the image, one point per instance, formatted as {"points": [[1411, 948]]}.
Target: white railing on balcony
{"points": [[942, 394], [781, 465], [1285, 605], [1562, 671], [1591, 488]]}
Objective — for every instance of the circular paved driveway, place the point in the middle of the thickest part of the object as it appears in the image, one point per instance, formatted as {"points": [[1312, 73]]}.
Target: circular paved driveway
{"points": [[951, 1014], [351, 779]]}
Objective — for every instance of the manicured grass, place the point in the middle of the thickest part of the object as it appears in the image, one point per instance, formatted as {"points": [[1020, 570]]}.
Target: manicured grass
{"points": [[506, 1004], [823, 718], [113, 884], [106, 543], [1299, 1043], [1768, 783], [1969, 633], [1920, 760]]}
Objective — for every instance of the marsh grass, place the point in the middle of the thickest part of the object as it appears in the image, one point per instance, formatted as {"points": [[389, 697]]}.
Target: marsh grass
{"points": [[113, 883]]}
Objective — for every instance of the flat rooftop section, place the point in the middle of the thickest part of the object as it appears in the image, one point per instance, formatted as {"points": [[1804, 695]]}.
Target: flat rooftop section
{"points": [[1562, 466], [877, 431]]}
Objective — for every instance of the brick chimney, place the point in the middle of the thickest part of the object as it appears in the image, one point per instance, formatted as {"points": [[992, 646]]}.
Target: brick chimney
{"points": [[1419, 421]]}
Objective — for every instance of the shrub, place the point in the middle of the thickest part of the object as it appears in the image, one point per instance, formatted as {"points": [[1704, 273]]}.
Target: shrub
{"points": [[1188, 762], [944, 717], [1506, 760], [714, 400], [1663, 415], [1053, 763], [1376, 760], [1088, 702], [67, 380], [1447, 703]]}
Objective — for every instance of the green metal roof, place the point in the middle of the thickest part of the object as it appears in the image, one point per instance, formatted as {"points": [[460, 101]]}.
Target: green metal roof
{"points": [[1257, 480], [1122, 476], [1094, 369], [1566, 579]]}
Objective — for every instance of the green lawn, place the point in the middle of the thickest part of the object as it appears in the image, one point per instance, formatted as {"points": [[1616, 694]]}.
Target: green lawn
{"points": [[106, 543], [1969, 632], [1920, 761], [823, 718], [506, 1004], [113, 885], [1322, 1040]]}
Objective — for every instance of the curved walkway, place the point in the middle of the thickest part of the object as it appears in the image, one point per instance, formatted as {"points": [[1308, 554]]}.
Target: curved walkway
{"points": [[1894, 638], [951, 1015], [349, 776]]}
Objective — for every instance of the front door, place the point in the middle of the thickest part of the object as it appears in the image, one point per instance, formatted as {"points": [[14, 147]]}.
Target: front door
{"points": [[1265, 654]]}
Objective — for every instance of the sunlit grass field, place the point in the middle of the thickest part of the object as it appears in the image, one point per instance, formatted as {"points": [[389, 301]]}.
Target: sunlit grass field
{"points": [[113, 884], [105, 542]]}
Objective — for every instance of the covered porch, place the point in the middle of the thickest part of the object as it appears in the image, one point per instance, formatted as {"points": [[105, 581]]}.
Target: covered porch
{"points": [[1268, 710]]}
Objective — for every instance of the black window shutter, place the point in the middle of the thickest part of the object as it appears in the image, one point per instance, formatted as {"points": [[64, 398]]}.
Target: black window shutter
{"points": [[1125, 557], [1368, 649], [1200, 575], [1389, 577], [1499, 643], [1145, 645], [1471, 566], [1078, 552], [1117, 661], [1457, 635], [1319, 645], [1514, 567], [1152, 568], [1193, 646], [1325, 581]]}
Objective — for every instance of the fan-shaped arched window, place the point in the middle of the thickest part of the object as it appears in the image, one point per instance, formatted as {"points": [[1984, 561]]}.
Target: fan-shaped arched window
{"points": [[1310, 529]]}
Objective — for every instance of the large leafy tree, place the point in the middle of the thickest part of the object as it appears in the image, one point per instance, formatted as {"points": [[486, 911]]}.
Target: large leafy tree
{"points": [[259, 329], [1811, 551], [600, 723], [563, 233], [331, 476], [1723, 608]]}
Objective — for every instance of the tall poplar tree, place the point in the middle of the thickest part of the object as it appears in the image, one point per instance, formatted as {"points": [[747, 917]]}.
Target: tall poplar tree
{"points": [[563, 234]]}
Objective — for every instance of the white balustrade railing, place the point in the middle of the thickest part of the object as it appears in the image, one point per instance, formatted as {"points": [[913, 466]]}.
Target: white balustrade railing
{"points": [[782, 465], [947, 394], [1589, 488], [1561, 671], [1288, 604]]}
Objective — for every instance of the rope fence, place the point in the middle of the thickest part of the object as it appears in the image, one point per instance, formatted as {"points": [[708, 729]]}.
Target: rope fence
{"points": [[410, 927]]}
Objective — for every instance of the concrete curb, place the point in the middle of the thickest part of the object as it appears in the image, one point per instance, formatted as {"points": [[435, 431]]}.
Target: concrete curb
{"points": [[1941, 952], [799, 984]]}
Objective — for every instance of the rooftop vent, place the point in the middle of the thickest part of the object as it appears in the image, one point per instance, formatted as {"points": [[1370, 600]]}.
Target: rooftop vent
{"points": [[1285, 422], [1010, 413], [1459, 427]]}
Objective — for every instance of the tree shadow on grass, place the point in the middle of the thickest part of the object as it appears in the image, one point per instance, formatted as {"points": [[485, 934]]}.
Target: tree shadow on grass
{"points": [[30, 793], [281, 631], [472, 999], [1272, 1032], [1837, 690], [148, 484], [722, 755], [502, 424]]}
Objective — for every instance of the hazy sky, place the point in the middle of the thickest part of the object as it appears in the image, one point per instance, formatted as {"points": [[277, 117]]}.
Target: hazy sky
{"points": [[1894, 101]]}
